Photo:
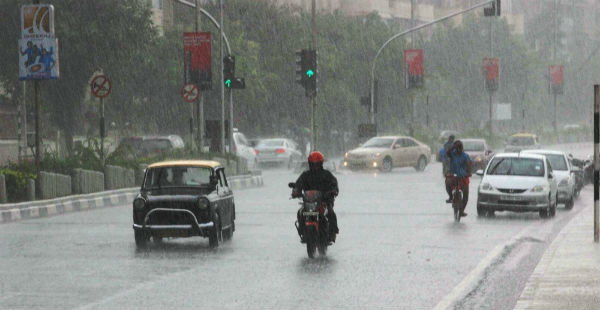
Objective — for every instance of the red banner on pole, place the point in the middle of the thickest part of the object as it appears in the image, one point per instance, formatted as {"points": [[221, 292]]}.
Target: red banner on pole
{"points": [[197, 59], [556, 78], [491, 73], [413, 67]]}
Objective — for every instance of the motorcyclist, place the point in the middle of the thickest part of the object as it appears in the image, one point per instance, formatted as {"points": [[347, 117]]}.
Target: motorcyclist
{"points": [[460, 167], [443, 158], [320, 179]]}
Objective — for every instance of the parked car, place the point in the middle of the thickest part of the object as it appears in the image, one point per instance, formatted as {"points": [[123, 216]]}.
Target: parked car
{"points": [[522, 141], [387, 152], [519, 183], [150, 145], [478, 151], [278, 151], [563, 173], [183, 199], [243, 149]]}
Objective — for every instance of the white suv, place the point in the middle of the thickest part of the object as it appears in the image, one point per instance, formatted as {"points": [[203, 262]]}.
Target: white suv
{"points": [[563, 173], [242, 148]]}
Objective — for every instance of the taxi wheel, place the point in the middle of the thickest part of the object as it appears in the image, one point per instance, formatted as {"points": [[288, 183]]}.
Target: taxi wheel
{"points": [[216, 235], [141, 238]]}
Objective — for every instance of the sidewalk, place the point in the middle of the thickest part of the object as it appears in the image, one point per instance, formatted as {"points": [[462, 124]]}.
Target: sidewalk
{"points": [[568, 275]]}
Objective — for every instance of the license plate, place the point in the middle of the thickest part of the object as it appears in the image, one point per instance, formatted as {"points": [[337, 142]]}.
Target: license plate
{"points": [[513, 198], [310, 213]]}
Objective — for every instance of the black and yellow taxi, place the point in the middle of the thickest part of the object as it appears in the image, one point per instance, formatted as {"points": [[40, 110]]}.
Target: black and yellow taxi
{"points": [[184, 198]]}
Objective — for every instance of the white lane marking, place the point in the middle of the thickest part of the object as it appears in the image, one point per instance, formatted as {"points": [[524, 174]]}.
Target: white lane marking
{"points": [[470, 282]]}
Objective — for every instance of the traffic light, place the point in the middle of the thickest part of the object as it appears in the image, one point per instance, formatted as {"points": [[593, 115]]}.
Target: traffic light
{"points": [[311, 73], [494, 10], [238, 83], [306, 71], [301, 67], [228, 70]]}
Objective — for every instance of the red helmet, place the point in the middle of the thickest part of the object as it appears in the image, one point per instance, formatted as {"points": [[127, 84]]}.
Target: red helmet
{"points": [[316, 157]]}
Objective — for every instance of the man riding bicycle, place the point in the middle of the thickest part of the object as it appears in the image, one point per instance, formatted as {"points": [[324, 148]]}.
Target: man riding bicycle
{"points": [[460, 171]]}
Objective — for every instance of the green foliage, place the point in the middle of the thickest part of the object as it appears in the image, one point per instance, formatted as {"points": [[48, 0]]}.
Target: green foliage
{"points": [[16, 183]]}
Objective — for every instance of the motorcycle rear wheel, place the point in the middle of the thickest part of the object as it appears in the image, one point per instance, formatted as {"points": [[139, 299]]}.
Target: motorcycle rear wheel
{"points": [[311, 248]]}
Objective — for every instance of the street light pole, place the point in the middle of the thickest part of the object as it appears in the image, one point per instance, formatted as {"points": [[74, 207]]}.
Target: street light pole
{"points": [[372, 82]]}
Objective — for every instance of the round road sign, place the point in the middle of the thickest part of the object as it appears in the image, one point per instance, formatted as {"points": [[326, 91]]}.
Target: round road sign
{"points": [[190, 92], [100, 86]]}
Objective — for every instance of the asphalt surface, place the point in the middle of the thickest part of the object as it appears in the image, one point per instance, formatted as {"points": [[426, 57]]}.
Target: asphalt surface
{"points": [[398, 248]]}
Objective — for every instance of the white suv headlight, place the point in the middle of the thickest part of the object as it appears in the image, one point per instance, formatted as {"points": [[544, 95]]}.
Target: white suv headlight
{"points": [[486, 187], [564, 182], [538, 189]]}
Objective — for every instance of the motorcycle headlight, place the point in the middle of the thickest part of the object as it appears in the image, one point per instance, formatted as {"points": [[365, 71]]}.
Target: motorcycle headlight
{"points": [[202, 203], [538, 189], [486, 187], [564, 182], [139, 203]]}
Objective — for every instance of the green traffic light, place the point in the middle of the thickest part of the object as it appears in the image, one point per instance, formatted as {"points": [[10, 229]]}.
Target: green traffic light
{"points": [[228, 82], [310, 73]]}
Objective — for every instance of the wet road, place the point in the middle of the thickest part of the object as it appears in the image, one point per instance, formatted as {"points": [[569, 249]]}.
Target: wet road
{"points": [[398, 248]]}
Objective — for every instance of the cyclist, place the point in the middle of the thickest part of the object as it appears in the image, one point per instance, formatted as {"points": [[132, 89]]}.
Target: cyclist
{"points": [[460, 170]]}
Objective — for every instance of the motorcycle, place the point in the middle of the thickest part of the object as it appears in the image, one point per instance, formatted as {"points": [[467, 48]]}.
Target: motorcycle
{"points": [[316, 226]]}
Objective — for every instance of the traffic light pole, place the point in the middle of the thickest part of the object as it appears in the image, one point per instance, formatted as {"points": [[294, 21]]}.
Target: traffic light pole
{"points": [[407, 32], [313, 99], [223, 37]]}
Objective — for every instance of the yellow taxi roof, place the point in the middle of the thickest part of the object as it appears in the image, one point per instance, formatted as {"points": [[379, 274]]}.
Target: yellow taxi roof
{"points": [[523, 135], [187, 163]]}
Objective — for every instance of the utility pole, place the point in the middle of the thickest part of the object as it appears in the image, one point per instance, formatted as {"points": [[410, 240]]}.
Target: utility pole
{"points": [[313, 99], [200, 103], [411, 129], [596, 163], [222, 81], [491, 93], [555, 22]]}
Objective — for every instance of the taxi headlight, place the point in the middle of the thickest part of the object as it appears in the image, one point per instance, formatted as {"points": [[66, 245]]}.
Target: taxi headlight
{"points": [[202, 203], [538, 189], [139, 203]]}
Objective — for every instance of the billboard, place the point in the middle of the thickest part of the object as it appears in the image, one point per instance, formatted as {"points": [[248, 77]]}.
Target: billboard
{"points": [[38, 59], [37, 21], [38, 47], [556, 79], [413, 68], [197, 59], [491, 73]]}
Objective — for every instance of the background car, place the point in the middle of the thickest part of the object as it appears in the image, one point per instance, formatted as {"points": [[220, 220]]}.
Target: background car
{"points": [[150, 145], [521, 141], [243, 149], [478, 151], [519, 183], [563, 173], [279, 151], [387, 152]]}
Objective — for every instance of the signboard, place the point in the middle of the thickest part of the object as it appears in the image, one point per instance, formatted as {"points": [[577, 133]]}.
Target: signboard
{"points": [[490, 70], [38, 59], [197, 59], [502, 111], [556, 79], [37, 21], [413, 68], [38, 47], [190, 92], [100, 86]]}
